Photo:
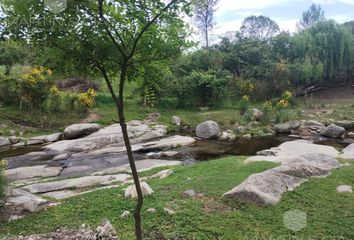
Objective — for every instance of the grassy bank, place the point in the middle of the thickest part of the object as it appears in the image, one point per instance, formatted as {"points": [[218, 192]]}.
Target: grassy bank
{"points": [[329, 214]]}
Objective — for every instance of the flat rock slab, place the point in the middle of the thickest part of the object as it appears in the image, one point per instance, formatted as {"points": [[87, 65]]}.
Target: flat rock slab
{"points": [[305, 160], [345, 189], [290, 150], [168, 143], [107, 136], [89, 181], [31, 172], [64, 194], [143, 165], [348, 152], [25, 200]]}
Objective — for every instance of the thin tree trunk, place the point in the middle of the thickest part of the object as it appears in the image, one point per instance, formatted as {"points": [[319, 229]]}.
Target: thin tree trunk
{"points": [[137, 213]]}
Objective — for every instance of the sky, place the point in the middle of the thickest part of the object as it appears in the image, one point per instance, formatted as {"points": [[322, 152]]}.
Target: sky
{"points": [[286, 13]]}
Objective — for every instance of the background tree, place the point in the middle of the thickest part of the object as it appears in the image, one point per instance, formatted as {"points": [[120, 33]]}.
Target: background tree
{"points": [[111, 37], [204, 11], [11, 53], [259, 28], [312, 16]]}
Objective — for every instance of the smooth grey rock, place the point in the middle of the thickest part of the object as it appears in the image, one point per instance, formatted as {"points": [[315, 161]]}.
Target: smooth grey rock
{"points": [[287, 127], [189, 193], [333, 131], [88, 181], [32, 142], [264, 188], [176, 121], [141, 166], [208, 130], [345, 189], [27, 201], [348, 152], [61, 157], [345, 124], [54, 137], [59, 195], [4, 142], [350, 135], [125, 214], [257, 114], [300, 160], [167, 143], [163, 174], [290, 150], [79, 130], [31, 172], [130, 191], [14, 139], [228, 136]]}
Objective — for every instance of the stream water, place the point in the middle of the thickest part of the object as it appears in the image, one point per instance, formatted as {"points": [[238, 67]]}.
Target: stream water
{"points": [[207, 149]]}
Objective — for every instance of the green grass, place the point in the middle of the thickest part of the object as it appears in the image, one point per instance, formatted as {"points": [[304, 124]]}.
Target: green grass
{"points": [[329, 214]]}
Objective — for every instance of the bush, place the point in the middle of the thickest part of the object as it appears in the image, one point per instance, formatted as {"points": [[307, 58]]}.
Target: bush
{"points": [[34, 86], [9, 90], [2, 182]]}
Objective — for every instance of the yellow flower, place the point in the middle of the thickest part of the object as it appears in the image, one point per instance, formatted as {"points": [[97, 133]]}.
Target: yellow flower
{"points": [[283, 103], [287, 95], [3, 164], [88, 99], [54, 90], [246, 98]]}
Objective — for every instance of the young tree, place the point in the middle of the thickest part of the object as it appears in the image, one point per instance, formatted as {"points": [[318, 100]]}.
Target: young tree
{"points": [[204, 11], [310, 17], [259, 28], [111, 37]]}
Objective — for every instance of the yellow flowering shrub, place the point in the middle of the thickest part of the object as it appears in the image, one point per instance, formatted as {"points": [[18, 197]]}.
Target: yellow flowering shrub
{"points": [[283, 103], [54, 90], [246, 98], [34, 85], [87, 99]]}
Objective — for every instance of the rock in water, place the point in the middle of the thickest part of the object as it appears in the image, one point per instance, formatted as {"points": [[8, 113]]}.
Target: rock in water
{"points": [[287, 127], [208, 130], [4, 142], [79, 130], [130, 192], [333, 131]]}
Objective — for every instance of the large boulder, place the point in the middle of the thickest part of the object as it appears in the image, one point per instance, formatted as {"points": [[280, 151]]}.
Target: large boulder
{"points": [[266, 188], [208, 130], [287, 127], [4, 142], [345, 124], [176, 121], [333, 131], [263, 188], [79, 130]]}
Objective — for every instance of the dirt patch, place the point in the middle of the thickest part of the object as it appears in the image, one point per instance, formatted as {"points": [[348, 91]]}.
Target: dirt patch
{"points": [[332, 95], [91, 118], [214, 205]]}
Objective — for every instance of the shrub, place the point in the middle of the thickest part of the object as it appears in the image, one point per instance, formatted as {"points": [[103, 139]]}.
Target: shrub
{"points": [[34, 86], [87, 99], [285, 115], [9, 90], [3, 165]]}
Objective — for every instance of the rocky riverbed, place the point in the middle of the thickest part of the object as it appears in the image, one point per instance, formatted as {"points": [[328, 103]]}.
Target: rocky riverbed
{"points": [[87, 157]]}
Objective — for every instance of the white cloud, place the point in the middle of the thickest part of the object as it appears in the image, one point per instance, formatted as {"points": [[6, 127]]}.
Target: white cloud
{"points": [[327, 2]]}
